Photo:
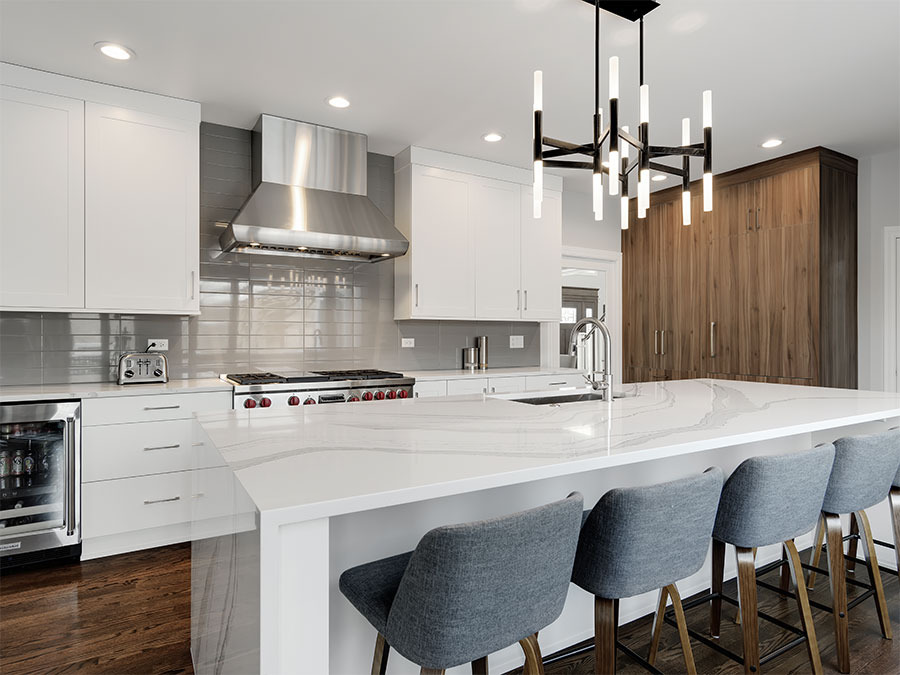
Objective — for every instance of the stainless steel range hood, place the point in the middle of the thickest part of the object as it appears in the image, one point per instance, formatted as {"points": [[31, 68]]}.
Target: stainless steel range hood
{"points": [[309, 197]]}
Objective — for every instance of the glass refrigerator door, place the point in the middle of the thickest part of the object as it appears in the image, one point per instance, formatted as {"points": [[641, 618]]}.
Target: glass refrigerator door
{"points": [[33, 476]]}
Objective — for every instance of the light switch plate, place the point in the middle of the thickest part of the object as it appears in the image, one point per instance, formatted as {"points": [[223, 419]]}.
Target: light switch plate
{"points": [[406, 343], [161, 344], [516, 341]]}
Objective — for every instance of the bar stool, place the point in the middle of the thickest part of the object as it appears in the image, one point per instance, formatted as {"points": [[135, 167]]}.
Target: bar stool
{"points": [[468, 590], [642, 539], [864, 468], [765, 501]]}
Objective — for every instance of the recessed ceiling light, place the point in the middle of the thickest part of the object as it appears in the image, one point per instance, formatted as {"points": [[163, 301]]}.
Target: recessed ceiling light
{"points": [[492, 137], [772, 143], [338, 102], [114, 51], [660, 176]]}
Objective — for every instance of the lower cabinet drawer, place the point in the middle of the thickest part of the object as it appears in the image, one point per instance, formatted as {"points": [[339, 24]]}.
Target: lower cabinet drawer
{"points": [[131, 504], [430, 388], [507, 385], [151, 407], [128, 450], [542, 382]]}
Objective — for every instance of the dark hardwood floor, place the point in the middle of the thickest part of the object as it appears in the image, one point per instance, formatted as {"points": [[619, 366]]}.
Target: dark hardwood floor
{"points": [[131, 614]]}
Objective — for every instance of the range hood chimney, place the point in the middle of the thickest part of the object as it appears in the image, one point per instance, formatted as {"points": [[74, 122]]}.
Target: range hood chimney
{"points": [[309, 197]]}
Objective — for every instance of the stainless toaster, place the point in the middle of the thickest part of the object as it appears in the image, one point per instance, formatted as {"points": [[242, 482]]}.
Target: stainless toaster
{"points": [[142, 367]]}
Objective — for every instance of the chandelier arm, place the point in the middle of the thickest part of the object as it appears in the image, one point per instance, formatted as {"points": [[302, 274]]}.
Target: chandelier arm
{"points": [[631, 140], [564, 152], [565, 145], [665, 168], [631, 167], [567, 164], [676, 150]]}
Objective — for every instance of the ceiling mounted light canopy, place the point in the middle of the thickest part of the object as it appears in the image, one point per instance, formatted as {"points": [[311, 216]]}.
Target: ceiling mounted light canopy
{"points": [[617, 166], [114, 51]]}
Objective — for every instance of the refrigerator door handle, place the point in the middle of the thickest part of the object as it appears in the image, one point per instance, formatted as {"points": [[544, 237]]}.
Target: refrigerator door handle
{"points": [[71, 477]]}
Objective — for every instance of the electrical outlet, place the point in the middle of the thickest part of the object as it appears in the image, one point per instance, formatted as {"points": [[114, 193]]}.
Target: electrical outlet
{"points": [[159, 344], [516, 341], [406, 343]]}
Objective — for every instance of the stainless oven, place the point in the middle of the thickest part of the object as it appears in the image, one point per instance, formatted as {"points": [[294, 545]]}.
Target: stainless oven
{"points": [[40, 482]]}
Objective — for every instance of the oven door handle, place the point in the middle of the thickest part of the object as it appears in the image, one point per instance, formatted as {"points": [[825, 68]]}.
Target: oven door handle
{"points": [[71, 506]]}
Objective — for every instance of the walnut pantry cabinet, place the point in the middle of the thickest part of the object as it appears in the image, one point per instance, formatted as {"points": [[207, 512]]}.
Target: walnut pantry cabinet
{"points": [[100, 197], [762, 288], [476, 251]]}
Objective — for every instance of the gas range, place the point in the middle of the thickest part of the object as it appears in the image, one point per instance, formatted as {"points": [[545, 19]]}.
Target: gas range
{"points": [[269, 390]]}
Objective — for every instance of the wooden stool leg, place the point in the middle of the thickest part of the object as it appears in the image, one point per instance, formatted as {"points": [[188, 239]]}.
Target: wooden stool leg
{"points": [[534, 663], [683, 636], [430, 671], [785, 570], [737, 612], [816, 552], [875, 573], [480, 667], [796, 571], [748, 607], [835, 544], [853, 544], [382, 649], [894, 501], [658, 620], [718, 573], [606, 630]]}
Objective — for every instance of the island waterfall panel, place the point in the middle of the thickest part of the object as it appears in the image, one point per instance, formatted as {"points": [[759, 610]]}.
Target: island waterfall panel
{"points": [[763, 288]]}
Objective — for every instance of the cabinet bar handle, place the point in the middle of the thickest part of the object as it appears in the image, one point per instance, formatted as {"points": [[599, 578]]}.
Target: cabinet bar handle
{"points": [[193, 284], [160, 501], [162, 407], [518, 300], [757, 219], [712, 339], [656, 342], [526, 300], [663, 341], [163, 447], [556, 384], [749, 226], [417, 295]]}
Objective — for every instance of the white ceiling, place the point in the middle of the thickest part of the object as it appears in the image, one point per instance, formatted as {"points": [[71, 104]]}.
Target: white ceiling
{"points": [[441, 73]]}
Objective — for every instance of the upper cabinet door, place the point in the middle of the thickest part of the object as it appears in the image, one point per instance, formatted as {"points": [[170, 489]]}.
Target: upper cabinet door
{"points": [[542, 257], [443, 267], [494, 207], [142, 212], [42, 204], [788, 198]]}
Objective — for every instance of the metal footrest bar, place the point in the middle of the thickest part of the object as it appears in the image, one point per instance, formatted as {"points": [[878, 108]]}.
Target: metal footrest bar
{"points": [[640, 659], [582, 647], [775, 653]]}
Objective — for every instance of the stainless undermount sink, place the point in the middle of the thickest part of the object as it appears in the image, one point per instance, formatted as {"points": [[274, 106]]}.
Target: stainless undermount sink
{"points": [[561, 398]]}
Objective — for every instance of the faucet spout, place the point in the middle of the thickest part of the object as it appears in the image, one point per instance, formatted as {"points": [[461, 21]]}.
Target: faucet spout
{"points": [[599, 380]]}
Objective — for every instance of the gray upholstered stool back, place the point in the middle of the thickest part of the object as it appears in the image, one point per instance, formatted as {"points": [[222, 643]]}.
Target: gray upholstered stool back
{"points": [[644, 538], [896, 482], [864, 467], [768, 500], [472, 589]]}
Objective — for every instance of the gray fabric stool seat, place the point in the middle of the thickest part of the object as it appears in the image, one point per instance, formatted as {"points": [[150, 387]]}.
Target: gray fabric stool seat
{"points": [[765, 501], [864, 469], [894, 502], [469, 590], [641, 539]]}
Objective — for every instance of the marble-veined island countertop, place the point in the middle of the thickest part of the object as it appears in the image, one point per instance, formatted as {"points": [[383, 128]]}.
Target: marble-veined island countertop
{"points": [[327, 460]]}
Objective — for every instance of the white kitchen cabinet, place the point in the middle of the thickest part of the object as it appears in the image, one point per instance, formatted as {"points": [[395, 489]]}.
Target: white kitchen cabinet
{"points": [[469, 385], [494, 207], [141, 212], [541, 253], [42, 203], [544, 382], [430, 389], [507, 385]]}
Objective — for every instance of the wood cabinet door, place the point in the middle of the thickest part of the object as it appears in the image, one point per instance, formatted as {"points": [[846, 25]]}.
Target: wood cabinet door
{"points": [[541, 257], [731, 295], [788, 198], [494, 207], [443, 267], [640, 276], [42, 204], [142, 212]]}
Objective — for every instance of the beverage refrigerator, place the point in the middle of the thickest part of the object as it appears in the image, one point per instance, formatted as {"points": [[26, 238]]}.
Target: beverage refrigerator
{"points": [[40, 482]]}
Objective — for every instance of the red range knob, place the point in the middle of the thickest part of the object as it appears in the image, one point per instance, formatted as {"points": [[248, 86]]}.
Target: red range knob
{"points": [[293, 400], [309, 401], [367, 396], [402, 393], [353, 399], [379, 395], [265, 402], [392, 394], [249, 403]]}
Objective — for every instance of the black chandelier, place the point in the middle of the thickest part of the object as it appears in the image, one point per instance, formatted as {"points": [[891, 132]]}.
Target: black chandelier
{"points": [[618, 167]]}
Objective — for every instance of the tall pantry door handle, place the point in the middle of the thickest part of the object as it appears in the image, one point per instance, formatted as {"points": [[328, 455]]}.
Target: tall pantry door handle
{"points": [[193, 284], [749, 226], [518, 300], [161, 501], [656, 342], [757, 219], [712, 339], [417, 295], [663, 340], [163, 447], [525, 308], [161, 407]]}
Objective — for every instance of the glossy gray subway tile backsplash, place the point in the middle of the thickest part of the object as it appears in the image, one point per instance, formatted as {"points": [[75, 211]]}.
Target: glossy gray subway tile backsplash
{"points": [[256, 312]]}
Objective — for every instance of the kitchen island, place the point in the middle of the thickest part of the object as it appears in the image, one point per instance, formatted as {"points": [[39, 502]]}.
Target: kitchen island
{"points": [[319, 489]]}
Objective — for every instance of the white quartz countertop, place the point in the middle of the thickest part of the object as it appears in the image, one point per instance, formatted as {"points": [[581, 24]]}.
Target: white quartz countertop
{"points": [[321, 461], [45, 392], [461, 374]]}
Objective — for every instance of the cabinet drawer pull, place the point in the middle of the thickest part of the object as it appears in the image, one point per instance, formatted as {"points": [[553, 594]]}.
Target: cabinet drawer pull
{"points": [[712, 339], [556, 384], [417, 295], [163, 447], [160, 501], [525, 308], [161, 407], [656, 342], [518, 300]]}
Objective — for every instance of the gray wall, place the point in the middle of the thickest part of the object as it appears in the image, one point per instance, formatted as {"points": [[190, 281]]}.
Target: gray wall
{"points": [[257, 312]]}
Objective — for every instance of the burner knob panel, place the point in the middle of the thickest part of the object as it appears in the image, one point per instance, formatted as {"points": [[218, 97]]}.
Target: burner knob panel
{"points": [[379, 395], [391, 394], [367, 396], [353, 399], [309, 401], [402, 394], [293, 400], [265, 402], [249, 403]]}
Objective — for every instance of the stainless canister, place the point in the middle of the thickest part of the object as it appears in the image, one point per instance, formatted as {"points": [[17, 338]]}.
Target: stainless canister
{"points": [[470, 358], [481, 343]]}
